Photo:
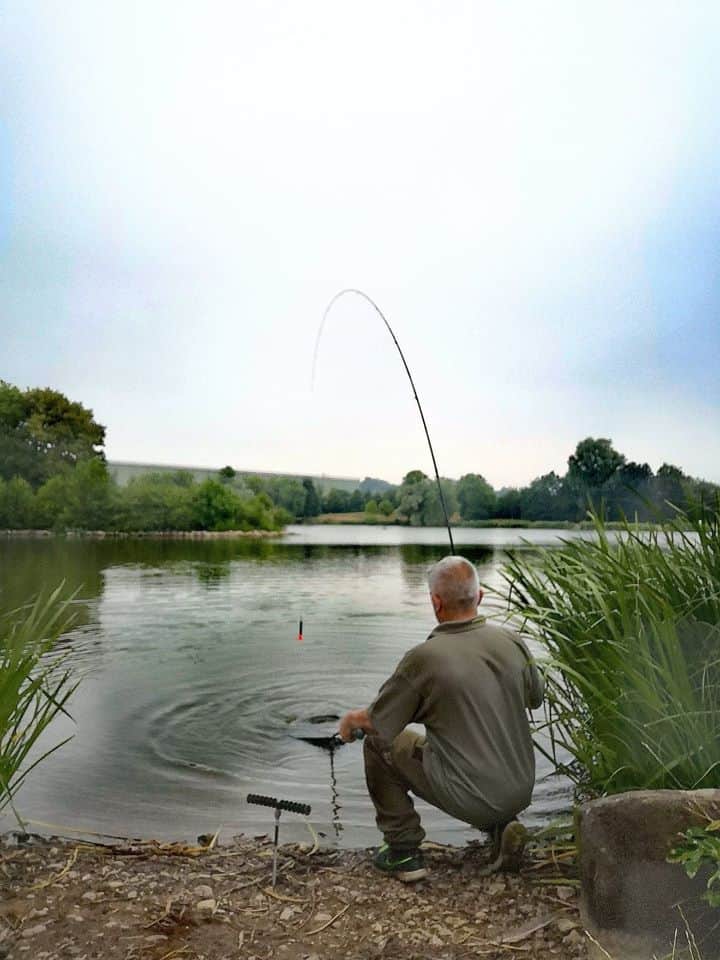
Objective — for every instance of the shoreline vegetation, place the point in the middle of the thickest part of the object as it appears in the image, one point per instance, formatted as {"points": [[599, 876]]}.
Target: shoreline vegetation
{"points": [[142, 534], [54, 476]]}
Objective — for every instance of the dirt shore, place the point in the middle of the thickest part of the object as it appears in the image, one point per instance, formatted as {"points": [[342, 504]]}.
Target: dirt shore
{"points": [[71, 900]]}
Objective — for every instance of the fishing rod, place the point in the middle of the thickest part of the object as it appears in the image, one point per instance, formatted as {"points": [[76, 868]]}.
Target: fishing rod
{"points": [[360, 293]]}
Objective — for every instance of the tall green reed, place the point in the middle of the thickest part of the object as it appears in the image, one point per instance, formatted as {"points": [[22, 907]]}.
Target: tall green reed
{"points": [[631, 627], [34, 686]]}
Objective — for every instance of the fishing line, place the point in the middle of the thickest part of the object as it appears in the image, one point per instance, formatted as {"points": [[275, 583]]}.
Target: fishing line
{"points": [[382, 316]]}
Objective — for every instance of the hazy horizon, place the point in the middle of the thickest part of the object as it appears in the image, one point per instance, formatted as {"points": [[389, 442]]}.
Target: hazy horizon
{"points": [[528, 190]]}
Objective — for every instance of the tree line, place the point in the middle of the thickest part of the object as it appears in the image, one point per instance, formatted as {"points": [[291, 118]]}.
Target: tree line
{"points": [[597, 476], [53, 475]]}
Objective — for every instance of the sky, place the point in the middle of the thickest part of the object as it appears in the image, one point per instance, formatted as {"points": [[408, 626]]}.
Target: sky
{"points": [[529, 190]]}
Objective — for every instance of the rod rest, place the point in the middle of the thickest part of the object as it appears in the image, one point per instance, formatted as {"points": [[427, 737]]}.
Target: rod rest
{"points": [[288, 805]]}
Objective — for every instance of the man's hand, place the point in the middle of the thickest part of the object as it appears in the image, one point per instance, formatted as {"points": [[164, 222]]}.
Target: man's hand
{"points": [[354, 720]]}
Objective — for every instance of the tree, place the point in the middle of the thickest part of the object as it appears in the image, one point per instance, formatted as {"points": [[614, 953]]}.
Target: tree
{"points": [[227, 474], [476, 498], [508, 504], [82, 498], [669, 488], [17, 504], [336, 501], [42, 432], [629, 490], [371, 507], [385, 507], [546, 499], [312, 505], [593, 463]]}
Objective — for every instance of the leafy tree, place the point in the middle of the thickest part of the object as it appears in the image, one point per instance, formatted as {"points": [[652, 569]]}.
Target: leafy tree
{"points": [[356, 501], [476, 498], [227, 474], [17, 504], [669, 487], [386, 507], [508, 505], [419, 499], [312, 504], [546, 498], [336, 501], [371, 507], [288, 493], [82, 498], [41, 431], [593, 463]]}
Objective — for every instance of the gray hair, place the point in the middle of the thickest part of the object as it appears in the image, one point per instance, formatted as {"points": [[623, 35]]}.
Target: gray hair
{"points": [[455, 581]]}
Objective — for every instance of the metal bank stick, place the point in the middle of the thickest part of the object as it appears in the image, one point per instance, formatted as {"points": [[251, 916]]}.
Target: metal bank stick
{"points": [[278, 806]]}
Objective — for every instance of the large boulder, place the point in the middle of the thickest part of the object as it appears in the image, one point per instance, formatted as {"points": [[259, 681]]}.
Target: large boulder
{"points": [[634, 903]]}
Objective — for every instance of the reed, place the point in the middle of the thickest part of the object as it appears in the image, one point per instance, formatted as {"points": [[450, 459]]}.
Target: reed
{"points": [[631, 627], [34, 686]]}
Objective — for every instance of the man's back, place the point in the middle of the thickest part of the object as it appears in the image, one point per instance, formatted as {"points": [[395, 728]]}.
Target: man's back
{"points": [[470, 684]]}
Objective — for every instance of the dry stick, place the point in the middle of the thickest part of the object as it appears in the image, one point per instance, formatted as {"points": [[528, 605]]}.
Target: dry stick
{"points": [[311, 933], [66, 869]]}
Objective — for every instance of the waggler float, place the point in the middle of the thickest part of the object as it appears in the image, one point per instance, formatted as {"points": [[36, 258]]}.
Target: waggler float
{"points": [[321, 731]]}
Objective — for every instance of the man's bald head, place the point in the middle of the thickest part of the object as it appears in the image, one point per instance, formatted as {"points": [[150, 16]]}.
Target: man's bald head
{"points": [[454, 589]]}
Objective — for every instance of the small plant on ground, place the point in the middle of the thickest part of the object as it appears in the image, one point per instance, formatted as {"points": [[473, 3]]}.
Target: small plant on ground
{"points": [[34, 687], [700, 848]]}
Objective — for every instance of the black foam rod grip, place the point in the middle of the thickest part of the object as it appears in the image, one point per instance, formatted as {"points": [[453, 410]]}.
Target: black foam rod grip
{"points": [[276, 804]]}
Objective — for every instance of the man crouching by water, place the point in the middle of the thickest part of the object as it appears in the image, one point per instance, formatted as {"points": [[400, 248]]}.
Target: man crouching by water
{"points": [[470, 684]]}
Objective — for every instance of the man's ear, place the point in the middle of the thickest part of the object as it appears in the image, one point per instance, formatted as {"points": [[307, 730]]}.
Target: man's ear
{"points": [[481, 594], [436, 602]]}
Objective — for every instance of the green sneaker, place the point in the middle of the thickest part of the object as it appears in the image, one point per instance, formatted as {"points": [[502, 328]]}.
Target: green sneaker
{"points": [[406, 865]]}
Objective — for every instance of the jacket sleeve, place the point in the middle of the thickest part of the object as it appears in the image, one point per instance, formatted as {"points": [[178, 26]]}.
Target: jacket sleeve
{"points": [[533, 679]]}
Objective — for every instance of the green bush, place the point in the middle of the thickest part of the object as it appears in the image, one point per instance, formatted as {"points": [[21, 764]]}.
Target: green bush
{"points": [[34, 688], [631, 627]]}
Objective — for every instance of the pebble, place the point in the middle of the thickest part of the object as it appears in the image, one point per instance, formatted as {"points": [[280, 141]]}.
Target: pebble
{"points": [[203, 892], [573, 938], [34, 931], [206, 907], [565, 893], [565, 925], [321, 918]]}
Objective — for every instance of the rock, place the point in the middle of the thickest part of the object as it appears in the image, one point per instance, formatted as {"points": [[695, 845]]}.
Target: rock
{"points": [[203, 892], [92, 896], [574, 938], [206, 908], [34, 931], [565, 893], [565, 925], [288, 913], [630, 892], [321, 918]]}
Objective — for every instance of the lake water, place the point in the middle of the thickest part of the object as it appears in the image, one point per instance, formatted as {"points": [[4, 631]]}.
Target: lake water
{"points": [[192, 675]]}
